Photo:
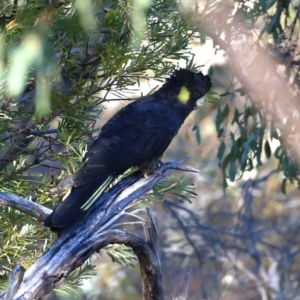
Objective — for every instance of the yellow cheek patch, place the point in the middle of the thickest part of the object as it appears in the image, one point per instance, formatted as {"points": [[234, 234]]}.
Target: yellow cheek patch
{"points": [[184, 95]]}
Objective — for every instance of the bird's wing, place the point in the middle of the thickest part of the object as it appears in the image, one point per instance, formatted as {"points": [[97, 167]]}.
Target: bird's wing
{"points": [[138, 133]]}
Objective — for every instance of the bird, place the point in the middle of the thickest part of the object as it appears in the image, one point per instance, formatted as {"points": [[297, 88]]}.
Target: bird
{"points": [[136, 136]]}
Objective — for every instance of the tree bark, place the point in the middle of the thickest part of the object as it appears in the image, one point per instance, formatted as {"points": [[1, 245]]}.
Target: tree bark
{"points": [[78, 242]]}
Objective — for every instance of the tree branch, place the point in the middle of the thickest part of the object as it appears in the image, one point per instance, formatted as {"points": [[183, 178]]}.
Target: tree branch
{"points": [[31, 208], [183, 293], [79, 241], [15, 281]]}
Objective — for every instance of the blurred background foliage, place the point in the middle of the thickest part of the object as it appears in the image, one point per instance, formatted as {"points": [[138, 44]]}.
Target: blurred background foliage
{"points": [[65, 66]]}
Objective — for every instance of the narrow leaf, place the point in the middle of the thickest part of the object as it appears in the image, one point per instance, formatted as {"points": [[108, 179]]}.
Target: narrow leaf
{"points": [[267, 149], [283, 186], [225, 184], [232, 172], [221, 150], [198, 135]]}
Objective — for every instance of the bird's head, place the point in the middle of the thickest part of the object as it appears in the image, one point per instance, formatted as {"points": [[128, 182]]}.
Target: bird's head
{"points": [[185, 88]]}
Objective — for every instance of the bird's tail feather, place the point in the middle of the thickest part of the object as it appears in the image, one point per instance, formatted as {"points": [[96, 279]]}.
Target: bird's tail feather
{"points": [[76, 203]]}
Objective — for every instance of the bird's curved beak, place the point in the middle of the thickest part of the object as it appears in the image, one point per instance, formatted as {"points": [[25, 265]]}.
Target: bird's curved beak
{"points": [[199, 102]]}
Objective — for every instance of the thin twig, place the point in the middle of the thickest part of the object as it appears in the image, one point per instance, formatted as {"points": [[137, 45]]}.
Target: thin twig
{"points": [[29, 207]]}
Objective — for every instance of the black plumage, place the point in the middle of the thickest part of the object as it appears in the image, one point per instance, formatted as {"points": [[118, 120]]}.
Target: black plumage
{"points": [[137, 135]]}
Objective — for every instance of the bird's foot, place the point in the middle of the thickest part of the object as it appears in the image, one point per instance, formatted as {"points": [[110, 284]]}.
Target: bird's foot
{"points": [[159, 173]]}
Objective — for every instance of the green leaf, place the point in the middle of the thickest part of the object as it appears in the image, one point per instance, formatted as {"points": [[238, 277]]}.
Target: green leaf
{"points": [[42, 98], [28, 54], [86, 14], [244, 158], [225, 111], [196, 128], [225, 94], [221, 150], [219, 120], [293, 169], [232, 172], [242, 91], [274, 23], [225, 184], [278, 153], [236, 117], [262, 3], [283, 186], [220, 132], [285, 165], [269, 3], [225, 163], [267, 149], [250, 164]]}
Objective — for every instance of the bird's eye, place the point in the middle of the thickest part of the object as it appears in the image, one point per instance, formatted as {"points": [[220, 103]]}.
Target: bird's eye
{"points": [[196, 94]]}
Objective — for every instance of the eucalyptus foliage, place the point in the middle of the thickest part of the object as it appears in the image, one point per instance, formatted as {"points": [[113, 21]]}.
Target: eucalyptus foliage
{"points": [[264, 34]]}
